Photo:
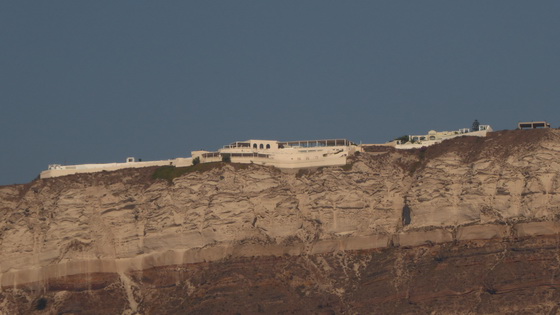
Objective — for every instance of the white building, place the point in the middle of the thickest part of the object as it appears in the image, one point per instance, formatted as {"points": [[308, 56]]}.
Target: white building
{"points": [[433, 137], [291, 154]]}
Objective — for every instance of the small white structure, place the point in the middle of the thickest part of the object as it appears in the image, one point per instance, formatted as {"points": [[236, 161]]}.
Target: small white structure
{"points": [[433, 137], [291, 154], [532, 124]]}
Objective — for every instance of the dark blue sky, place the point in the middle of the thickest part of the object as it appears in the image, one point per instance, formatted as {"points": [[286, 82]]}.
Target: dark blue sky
{"points": [[97, 81]]}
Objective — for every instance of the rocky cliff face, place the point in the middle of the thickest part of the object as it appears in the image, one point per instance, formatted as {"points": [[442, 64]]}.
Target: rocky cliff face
{"points": [[469, 225]]}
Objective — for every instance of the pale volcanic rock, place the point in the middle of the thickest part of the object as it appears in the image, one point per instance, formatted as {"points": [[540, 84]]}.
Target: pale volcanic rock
{"points": [[523, 185]]}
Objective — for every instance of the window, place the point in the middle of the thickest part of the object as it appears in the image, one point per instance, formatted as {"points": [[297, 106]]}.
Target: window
{"points": [[268, 146], [261, 146], [254, 146]]}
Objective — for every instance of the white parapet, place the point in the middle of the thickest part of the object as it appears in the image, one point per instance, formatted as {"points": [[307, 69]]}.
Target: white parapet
{"points": [[56, 170]]}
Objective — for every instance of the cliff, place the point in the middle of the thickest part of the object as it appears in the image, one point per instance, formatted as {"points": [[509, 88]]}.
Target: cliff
{"points": [[469, 225]]}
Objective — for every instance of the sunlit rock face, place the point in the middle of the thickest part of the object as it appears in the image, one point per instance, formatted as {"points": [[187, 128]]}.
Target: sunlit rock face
{"points": [[469, 225]]}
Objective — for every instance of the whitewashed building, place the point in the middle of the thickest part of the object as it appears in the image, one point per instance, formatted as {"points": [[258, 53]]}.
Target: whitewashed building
{"points": [[289, 154]]}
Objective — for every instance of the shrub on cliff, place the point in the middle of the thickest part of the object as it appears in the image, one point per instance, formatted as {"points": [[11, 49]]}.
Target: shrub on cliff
{"points": [[169, 173]]}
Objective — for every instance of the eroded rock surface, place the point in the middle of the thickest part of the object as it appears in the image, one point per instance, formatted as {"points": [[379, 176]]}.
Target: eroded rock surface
{"points": [[451, 228]]}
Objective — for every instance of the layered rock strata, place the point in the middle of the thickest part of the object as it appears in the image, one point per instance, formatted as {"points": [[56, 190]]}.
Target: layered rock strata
{"points": [[75, 241]]}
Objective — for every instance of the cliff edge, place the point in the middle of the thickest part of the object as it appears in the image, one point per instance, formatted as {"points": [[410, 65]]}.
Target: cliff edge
{"points": [[468, 225]]}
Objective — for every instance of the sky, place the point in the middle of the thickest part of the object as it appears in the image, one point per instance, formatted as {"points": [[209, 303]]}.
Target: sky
{"points": [[98, 81]]}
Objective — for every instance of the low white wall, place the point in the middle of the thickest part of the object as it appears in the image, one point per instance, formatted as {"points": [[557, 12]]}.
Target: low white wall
{"points": [[329, 161], [95, 168], [291, 159]]}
